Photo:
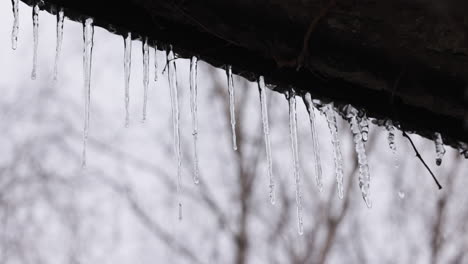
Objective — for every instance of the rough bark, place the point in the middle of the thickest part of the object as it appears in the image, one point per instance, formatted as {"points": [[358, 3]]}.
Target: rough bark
{"points": [[406, 60]]}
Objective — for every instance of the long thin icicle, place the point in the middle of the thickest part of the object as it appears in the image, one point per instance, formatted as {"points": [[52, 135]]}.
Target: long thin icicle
{"points": [[295, 154], [364, 175], [145, 50], [172, 76], [127, 71], [193, 111], [333, 126], [88, 41], [155, 63], [35, 17], [15, 29], [58, 48], [392, 140], [440, 149], [318, 167], [232, 105], [266, 135]]}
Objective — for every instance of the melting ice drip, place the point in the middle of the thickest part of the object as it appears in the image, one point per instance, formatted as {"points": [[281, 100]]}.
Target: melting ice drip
{"points": [[364, 175], [295, 153], [127, 70], [35, 17], [145, 50], [318, 168], [440, 149], [58, 48], [266, 136], [172, 76], [232, 105], [337, 157], [88, 41], [193, 111], [15, 29]]}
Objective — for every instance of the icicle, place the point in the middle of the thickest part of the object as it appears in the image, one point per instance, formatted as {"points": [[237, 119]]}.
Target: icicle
{"points": [[318, 168], [88, 35], [364, 127], [364, 175], [172, 76], [58, 48], [14, 31], [35, 17], [333, 126], [155, 63], [295, 154], [440, 149], [391, 140], [145, 50], [193, 110], [232, 105], [266, 135], [127, 71]]}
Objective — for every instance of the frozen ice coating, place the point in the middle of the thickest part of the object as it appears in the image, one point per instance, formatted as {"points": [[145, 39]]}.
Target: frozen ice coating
{"points": [[15, 29], [88, 35], [266, 136], [155, 63], [232, 105], [440, 149], [364, 175], [145, 50], [35, 17], [317, 164], [337, 157], [58, 48], [391, 140], [193, 111], [172, 76], [127, 70], [295, 154]]}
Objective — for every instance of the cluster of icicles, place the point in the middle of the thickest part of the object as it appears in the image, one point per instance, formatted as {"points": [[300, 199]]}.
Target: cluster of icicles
{"points": [[357, 119]]}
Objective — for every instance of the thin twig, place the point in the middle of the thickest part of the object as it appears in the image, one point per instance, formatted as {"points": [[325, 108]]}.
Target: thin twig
{"points": [[422, 160]]}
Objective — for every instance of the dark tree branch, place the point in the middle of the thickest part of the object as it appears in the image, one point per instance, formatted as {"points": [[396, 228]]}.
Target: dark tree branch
{"points": [[422, 160]]}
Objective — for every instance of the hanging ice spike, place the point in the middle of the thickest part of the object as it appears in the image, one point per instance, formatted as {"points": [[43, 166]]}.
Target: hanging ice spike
{"points": [[58, 48], [35, 17], [232, 105], [145, 50], [266, 136], [337, 157], [363, 126], [15, 29], [127, 70], [88, 41], [440, 149], [193, 111], [391, 140], [291, 96], [155, 63], [172, 76], [364, 175], [316, 149]]}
